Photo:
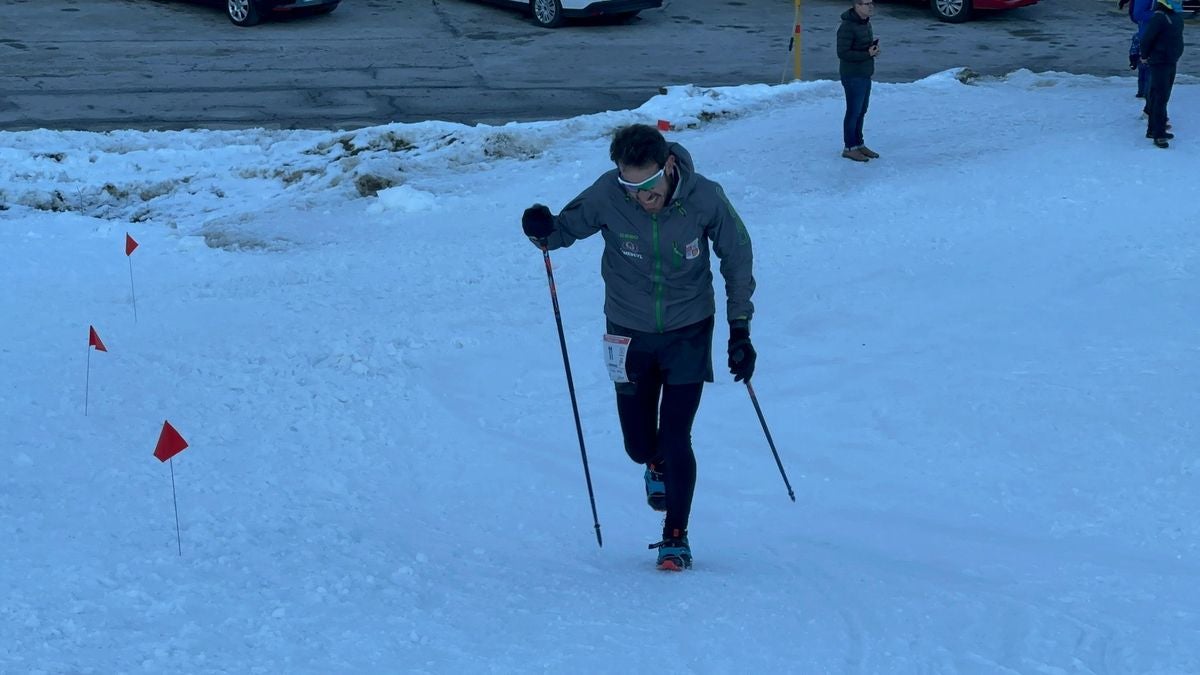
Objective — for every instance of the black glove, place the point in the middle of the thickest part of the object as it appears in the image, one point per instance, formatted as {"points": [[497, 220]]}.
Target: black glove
{"points": [[1134, 59], [741, 352], [538, 224]]}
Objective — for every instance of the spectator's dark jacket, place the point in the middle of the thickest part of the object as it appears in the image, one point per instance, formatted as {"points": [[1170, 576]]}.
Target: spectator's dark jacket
{"points": [[1162, 38], [854, 38]]}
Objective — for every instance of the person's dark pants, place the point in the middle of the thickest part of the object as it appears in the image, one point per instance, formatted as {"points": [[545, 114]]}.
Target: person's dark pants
{"points": [[858, 96], [1143, 80], [1162, 80], [657, 409]]}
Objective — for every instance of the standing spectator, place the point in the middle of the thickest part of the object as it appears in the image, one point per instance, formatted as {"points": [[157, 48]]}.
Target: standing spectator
{"points": [[1140, 12], [1162, 45], [856, 49]]}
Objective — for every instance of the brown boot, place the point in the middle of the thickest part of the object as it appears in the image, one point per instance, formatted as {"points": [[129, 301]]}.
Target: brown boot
{"points": [[855, 154], [868, 152]]}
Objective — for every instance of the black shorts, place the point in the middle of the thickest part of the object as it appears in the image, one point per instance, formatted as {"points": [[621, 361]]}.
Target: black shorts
{"points": [[680, 356]]}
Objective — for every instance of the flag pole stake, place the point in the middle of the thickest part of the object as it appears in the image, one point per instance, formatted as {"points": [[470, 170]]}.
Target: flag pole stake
{"points": [[175, 501], [87, 380], [132, 294]]}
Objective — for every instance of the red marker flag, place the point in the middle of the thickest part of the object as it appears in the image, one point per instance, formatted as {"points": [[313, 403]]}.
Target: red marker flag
{"points": [[94, 340], [130, 245], [664, 125], [170, 443]]}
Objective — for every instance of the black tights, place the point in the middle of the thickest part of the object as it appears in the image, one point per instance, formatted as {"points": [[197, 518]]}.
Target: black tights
{"points": [[663, 434]]}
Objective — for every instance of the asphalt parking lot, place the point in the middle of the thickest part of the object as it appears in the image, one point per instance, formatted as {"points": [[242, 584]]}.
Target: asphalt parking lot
{"points": [[172, 64]]}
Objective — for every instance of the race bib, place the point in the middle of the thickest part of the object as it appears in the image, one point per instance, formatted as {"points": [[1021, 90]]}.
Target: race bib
{"points": [[616, 348]]}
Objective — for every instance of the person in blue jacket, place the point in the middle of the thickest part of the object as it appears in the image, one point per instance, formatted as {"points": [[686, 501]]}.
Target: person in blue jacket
{"points": [[1140, 12]]}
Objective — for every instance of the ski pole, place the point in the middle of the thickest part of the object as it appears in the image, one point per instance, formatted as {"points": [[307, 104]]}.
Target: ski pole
{"points": [[763, 421], [562, 342]]}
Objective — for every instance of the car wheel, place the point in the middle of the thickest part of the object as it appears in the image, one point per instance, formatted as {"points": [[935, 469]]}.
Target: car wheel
{"points": [[242, 12], [952, 11], [546, 13]]}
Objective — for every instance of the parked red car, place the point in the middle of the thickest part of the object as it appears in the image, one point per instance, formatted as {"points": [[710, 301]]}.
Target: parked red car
{"points": [[957, 11]]}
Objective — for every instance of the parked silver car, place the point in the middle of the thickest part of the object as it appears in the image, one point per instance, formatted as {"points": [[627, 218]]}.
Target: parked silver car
{"points": [[250, 12]]}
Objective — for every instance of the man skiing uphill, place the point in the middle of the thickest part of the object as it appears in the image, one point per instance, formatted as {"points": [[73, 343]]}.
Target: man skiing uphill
{"points": [[658, 218]]}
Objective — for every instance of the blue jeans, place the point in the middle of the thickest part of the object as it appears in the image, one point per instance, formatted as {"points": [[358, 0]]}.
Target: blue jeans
{"points": [[1135, 49], [858, 96]]}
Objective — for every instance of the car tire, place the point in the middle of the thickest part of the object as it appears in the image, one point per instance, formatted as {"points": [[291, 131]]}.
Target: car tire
{"points": [[952, 11], [546, 13], [242, 12]]}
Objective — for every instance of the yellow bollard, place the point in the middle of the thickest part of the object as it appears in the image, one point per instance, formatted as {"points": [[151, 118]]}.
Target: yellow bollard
{"points": [[797, 45]]}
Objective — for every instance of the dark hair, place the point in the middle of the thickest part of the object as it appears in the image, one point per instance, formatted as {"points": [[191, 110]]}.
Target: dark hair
{"points": [[638, 145]]}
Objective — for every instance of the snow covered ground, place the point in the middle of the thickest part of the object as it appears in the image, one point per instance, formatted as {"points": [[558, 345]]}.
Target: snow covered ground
{"points": [[978, 356]]}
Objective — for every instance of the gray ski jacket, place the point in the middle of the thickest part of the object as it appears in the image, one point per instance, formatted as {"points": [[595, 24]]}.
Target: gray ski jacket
{"points": [[656, 267]]}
